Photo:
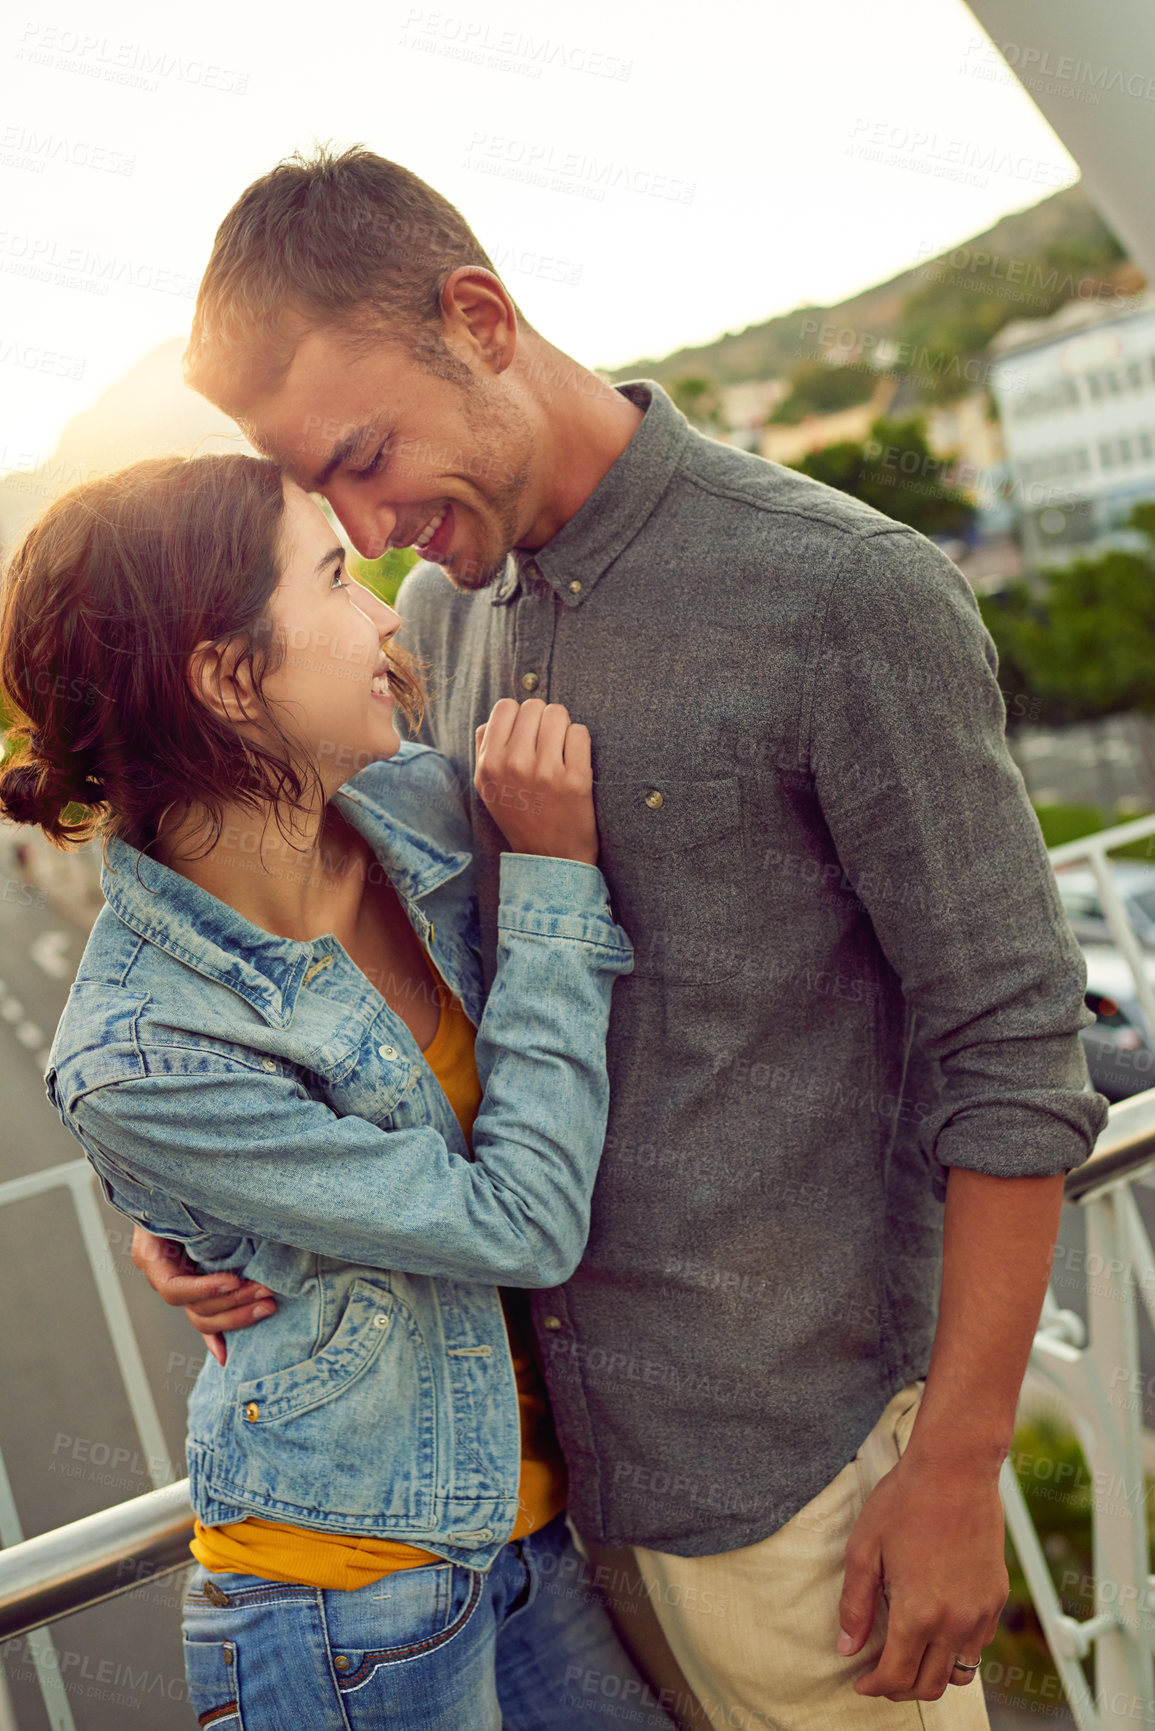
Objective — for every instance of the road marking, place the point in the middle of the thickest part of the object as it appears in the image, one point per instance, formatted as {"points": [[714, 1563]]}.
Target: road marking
{"points": [[48, 953], [12, 1010], [30, 1035]]}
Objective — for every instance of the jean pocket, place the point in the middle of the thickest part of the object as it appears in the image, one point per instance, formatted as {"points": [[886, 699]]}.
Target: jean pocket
{"points": [[214, 1683], [404, 1616]]}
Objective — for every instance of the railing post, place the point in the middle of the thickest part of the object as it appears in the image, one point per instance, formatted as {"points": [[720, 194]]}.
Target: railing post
{"points": [[1124, 1677]]}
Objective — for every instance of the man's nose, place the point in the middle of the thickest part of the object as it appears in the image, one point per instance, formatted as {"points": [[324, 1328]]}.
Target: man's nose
{"points": [[368, 525]]}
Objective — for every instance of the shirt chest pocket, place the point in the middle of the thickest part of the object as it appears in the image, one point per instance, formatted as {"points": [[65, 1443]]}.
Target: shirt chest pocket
{"points": [[671, 851]]}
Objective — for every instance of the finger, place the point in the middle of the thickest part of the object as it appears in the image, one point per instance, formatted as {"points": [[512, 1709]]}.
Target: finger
{"points": [[551, 738], [502, 719], [861, 1586], [576, 751], [211, 1308], [523, 737], [898, 1666], [225, 1321], [216, 1345], [935, 1672]]}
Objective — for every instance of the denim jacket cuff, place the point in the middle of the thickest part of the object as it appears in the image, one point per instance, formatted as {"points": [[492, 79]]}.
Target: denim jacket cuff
{"points": [[559, 898]]}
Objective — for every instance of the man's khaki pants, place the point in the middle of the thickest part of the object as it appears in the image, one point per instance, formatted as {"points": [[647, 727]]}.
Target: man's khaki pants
{"points": [[752, 1632]]}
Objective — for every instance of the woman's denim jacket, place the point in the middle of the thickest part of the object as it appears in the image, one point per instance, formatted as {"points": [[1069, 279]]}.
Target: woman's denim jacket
{"points": [[257, 1099]]}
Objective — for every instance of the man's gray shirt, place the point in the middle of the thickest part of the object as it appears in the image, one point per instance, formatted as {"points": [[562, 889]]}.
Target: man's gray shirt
{"points": [[852, 967]]}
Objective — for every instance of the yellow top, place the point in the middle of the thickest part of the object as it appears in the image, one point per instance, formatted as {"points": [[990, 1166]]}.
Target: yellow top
{"points": [[275, 1551]]}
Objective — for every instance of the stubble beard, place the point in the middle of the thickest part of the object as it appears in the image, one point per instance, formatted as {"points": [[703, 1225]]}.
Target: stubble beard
{"points": [[503, 438]]}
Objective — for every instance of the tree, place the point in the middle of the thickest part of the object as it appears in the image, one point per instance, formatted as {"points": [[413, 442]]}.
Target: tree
{"points": [[897, 472], [698, 400], [820, 387], [1080, 639], [385, 575]]}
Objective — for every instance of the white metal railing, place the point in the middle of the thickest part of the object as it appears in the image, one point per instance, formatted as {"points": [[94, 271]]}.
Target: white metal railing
{"points": [[1094, 1370], [80, 1181]]}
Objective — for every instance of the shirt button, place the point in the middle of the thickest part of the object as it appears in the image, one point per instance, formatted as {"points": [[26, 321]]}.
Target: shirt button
{"points": [[252, 1411], [530, 681], [228, 1655], [575, 587], [267, 1064], [654, 799], [551, 1321], [341, 1662], [387, 1051]]}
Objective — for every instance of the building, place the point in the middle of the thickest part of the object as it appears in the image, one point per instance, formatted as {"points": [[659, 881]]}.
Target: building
{"points": [[1076, 398]]}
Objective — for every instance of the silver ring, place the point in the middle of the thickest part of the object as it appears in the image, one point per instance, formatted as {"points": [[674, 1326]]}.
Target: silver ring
{"points": [[959, 1665]]}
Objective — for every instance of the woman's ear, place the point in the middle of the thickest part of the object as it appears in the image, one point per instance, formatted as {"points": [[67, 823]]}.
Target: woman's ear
{"points": [[220, 677]]}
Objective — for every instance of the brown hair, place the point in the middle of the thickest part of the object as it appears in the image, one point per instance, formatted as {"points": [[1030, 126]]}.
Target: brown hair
{"points": [[106, 598], [349, 241]]}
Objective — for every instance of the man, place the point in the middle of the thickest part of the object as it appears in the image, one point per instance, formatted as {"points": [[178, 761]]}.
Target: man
{"points": [[855, 996]]}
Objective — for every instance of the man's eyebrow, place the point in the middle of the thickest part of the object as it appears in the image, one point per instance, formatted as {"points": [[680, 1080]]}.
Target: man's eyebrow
{"points": [[341, 455], [328, 558]]}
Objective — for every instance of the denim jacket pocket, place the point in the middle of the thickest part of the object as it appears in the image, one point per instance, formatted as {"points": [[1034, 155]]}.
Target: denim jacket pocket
{"points": [[375, 1453], [358, 1339]]}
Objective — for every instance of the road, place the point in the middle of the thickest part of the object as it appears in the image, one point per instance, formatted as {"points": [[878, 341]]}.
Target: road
{"points": [[66, 1431], [1108, 763]]}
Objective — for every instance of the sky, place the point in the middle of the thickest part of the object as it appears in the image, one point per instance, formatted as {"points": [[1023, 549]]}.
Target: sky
{"points": [[644, 175]]}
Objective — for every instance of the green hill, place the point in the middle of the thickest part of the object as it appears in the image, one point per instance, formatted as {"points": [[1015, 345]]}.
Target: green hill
{"points": [[1023, 267]]}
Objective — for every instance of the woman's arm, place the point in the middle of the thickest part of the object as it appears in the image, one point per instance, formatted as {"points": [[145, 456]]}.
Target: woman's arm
{"points": [[253, 1153], [242, 1151]]}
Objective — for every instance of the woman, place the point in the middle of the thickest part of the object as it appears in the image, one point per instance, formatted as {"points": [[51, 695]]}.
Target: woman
{"points": [[275, 1052]]}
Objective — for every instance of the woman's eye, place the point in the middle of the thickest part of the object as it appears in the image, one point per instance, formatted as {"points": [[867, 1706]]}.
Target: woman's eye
{"points": [[338, 575]]}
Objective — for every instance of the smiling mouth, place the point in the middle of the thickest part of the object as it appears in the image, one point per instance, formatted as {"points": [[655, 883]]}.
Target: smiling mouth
{"points": [[431, 528], [379, 685]]}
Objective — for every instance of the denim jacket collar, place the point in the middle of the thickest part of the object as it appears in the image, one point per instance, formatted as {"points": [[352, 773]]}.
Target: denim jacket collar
{"points": [[200, 930]]}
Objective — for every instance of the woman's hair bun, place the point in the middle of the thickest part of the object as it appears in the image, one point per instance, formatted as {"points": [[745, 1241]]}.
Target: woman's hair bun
{"points": [[37, 793]]}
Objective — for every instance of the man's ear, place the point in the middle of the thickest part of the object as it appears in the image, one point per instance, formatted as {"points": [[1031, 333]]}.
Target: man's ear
{"points": [[480, 320], [220, 677]]}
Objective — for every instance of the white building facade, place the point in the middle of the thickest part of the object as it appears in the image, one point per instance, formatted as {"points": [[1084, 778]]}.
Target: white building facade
{"points": [[1076, 398]]}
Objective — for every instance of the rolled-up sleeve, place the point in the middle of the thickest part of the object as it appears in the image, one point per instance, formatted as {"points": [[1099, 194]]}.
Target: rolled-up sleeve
{"points": [[906, 731]]}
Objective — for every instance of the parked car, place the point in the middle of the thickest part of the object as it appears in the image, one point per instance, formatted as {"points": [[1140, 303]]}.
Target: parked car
{"points": [[1079, 894], [1119, 1047]]}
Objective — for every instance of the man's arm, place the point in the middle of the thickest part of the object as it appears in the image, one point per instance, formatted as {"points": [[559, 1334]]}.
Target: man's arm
{"points": [[907, 747], [214, 1303], [932, 1529]]}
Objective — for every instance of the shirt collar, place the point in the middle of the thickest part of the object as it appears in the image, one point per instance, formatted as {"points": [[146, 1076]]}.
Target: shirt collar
{"points": [[204, 933], [605, 524]]}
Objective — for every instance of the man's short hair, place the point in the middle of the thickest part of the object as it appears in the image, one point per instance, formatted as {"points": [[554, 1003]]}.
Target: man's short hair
{"points": [[345, 241]]}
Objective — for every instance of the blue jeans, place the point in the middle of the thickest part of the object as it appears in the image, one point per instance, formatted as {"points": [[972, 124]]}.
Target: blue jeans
{"points": [[528, 1647]]}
